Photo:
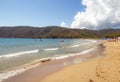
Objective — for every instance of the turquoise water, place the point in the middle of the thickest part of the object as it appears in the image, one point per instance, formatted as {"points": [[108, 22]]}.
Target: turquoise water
{"points": [[16, 51]]}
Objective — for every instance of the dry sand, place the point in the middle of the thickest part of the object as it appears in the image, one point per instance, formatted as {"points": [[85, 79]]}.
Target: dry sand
{"points": [[102, 69]]}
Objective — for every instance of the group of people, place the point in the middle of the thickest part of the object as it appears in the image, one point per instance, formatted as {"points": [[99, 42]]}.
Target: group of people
{"points": [[117, 39]]}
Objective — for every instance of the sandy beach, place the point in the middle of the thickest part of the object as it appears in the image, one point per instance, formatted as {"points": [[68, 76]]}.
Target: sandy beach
{"points": [[60, 41], [98, 66], [103, 69]]}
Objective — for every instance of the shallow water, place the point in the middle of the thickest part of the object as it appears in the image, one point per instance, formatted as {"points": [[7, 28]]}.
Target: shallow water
{"points": [[16, 51]]}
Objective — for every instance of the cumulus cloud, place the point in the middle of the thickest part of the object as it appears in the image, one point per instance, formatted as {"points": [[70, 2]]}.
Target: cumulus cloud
{"points": [[98, 14], [63, 24]]}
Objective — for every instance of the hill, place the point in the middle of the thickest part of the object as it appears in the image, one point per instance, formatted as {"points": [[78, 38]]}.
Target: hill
{"points": [[54, 32]]}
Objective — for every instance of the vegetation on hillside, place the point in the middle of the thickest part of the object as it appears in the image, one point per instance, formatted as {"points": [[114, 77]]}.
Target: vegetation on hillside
{"points": [[54, 32]]}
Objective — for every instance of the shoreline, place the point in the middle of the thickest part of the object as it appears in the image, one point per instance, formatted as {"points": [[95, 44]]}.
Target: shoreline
{"points": [[101, 69], [66, 61]]}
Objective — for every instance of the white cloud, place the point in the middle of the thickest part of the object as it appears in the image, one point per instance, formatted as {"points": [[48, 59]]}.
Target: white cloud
{"points": [[98, 14], [63, 24]]}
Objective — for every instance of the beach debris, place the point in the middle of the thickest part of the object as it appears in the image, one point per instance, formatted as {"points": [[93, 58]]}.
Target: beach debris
{"points": [[45, 60]]}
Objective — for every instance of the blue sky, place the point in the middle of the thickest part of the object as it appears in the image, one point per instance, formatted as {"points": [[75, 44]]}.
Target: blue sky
{"points": [[38, 12]]}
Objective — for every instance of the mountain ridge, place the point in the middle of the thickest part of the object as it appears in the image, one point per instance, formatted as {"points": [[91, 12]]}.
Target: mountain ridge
{"points": [[53, 32]]}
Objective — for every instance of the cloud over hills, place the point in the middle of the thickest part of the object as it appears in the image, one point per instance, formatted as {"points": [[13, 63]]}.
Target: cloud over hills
{"points": [[98, 14], [63, 24]]}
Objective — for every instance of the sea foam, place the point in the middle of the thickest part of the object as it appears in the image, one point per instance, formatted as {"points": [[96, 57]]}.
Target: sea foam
{"points": [[17, 71], [70, 55], [50, 49], [75, 46], [19, 53]]}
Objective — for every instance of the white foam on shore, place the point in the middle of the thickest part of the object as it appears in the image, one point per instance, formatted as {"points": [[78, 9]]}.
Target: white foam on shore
{"points": [[70, 55], [18, 71], [85, 43], [20, 53], [50, 49], [23, 68], [75, 46], [60, 57], [83, 52], [10, 73], [87, 51], [93, 41]]}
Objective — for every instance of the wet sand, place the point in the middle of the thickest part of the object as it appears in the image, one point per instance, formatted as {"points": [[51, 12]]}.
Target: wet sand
{"points": [[102, 69], [52, 67]]}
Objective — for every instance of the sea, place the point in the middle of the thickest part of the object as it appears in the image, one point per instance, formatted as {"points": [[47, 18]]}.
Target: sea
{"points": [[15, 52]]}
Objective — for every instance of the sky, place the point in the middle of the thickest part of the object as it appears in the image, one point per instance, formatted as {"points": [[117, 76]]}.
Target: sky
{"points": [[89, 14], [38, 12]]}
